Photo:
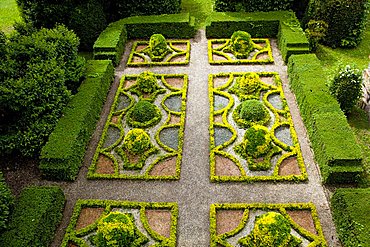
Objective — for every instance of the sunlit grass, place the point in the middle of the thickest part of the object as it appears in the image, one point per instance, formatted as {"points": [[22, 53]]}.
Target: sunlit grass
{"points": [[9, 14], [200, 9]]}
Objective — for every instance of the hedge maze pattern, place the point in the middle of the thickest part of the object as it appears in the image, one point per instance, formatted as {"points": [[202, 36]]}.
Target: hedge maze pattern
{"points": [[279, 158], [163, 153], [219, 55], [178, 54], [230, 224], [155, 224]]}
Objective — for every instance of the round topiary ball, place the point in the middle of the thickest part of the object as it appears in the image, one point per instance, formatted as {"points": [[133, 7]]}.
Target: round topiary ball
{"points": [[241, 44], [158, 45], [270, 229], [249, 83], [115, 229], [257, 140], [147, 82], [137, 141], [253, 110], [143, 111]]}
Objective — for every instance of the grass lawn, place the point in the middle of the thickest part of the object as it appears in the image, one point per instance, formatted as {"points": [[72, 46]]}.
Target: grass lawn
{"points": [[200, 9], [8, 15]]}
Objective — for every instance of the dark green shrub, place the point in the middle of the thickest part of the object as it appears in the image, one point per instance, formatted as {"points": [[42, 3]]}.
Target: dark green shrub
{"points": [[257, 141], [316, 31], [158, 48], [271, 229], [241, 44], [38, 211], [252, 5], [143, 114], [6, 204], [147, 82], [253, 110], [346, 87], [137, 141], [62, 155]]}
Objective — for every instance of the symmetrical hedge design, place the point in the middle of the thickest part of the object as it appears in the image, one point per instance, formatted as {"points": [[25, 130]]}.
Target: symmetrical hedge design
{"points": [[351, 216], [62, 155], [177, 55], [218, 56], [38, 211], [225, 142], [80, 236], [333, 141], [166, 136], [250, 211], [281, 24]]}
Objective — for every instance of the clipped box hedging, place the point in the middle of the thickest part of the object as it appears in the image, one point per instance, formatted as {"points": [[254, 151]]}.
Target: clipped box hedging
{"points": [[253, 5], [111, 42], [351, 216], [281, 24], [333, 141], [62, 156], [38, 211]]}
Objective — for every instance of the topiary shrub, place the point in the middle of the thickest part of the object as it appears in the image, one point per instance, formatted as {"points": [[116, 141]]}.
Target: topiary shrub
{"points": [[158, 48], [346, 87], [241, 44], [251, 112], [270, 229], [137, 141], [118, 229], [316, 31], [247, 86], [6, 203], [147, 82], [143, 114], [257, 141]]}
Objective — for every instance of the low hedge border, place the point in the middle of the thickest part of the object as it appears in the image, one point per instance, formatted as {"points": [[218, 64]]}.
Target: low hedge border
{"points": [[333, 141], [38, 211], [230, 60], [111, 42], [176, 52], [115, 117], [76, 236], [281, 24], [218, 150], [217, 240], [62, 155], [351, 216]]}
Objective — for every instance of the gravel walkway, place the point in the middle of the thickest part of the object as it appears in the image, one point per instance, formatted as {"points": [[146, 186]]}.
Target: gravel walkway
{"points": [[193, 192]]}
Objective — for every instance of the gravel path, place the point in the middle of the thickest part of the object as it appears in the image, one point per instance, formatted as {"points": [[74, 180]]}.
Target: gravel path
{"points": [[193, 192]]}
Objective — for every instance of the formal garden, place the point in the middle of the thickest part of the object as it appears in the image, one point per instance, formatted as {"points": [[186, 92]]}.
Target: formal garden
{"points": [[185, 123]]}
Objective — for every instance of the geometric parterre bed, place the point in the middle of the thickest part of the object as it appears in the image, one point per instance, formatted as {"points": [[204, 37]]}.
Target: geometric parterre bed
{"points": [[177, 52], [100, 223], [221, 53], [252, 137], [295, 225], [143, 135]]}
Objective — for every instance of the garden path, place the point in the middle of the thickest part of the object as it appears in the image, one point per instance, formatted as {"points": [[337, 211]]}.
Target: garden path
{"points": [[194, 192]]}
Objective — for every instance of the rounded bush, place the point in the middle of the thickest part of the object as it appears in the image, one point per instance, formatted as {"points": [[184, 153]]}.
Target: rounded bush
{"points": [[253, 110], [346, 87], [249, 83], [147, 82], [158, 45], [241, 44], [270, 229], [257, 140], [137, 141], [144, 111]]}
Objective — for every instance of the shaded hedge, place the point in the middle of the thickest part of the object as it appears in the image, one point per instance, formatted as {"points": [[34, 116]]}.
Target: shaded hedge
{"points": [[6, 203], [252, 5], [62, 155], [38, 211], [333, 141], [351, 216]]}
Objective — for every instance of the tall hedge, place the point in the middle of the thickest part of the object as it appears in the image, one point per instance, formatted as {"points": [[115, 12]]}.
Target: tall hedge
{"points": [[252, 5], [346, 20]]}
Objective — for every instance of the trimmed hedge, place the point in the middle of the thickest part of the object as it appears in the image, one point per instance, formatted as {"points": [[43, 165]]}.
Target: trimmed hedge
{"points": [[37, 213], [252, 5], [351, 216], [62, 156], [6, 203], [332, 139], [281, 24]]}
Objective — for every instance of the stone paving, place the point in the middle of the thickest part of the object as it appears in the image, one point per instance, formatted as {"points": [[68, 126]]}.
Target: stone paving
{"points": [[194, 192]]}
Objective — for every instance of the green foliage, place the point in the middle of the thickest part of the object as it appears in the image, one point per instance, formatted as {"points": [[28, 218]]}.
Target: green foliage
{"points": [[37, 213], [249, 83], [332, 139], [6, 203], [241, 44], [147, 82], [351, 216], [316, 31], [251, 112], [252, 5], [118, 229], [346, 87], [346, 22], [9, 14], [158, 48], [137, 141], [62, 156], [270, 229], [257, 141], [143, 114]]}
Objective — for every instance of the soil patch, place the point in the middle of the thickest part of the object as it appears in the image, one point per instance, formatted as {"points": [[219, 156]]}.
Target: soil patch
{"points": [[104, 165], [228, 220], [226, 167], [159, 221], [165, 168], [289, 167], [304, 219], [88, 216]]}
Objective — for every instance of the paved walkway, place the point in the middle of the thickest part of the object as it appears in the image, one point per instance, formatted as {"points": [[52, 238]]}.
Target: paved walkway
{"points": [[193, 192]]}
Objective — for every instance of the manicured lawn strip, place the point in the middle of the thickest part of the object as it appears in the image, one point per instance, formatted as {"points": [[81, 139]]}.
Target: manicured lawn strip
{"points": [[333, 141], [351, 215], [200, 9], [37, 213], [6, 203], [281, 24], [9, 14], [62, 156]]}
